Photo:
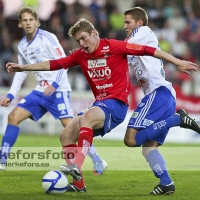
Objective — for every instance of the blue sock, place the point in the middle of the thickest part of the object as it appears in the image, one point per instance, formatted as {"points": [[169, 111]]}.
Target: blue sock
{"points": [[156, 129], [8, 141], [172, 121], [94, 155], [158, 166]]}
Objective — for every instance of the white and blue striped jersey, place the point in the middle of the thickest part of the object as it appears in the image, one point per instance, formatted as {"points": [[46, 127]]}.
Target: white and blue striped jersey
{"points": [[148, 70], [43, 47]]}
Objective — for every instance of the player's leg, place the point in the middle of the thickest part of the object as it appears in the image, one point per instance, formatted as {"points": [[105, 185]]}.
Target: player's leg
{"points": [[156, 129], [155, 160], [72, 133], [65, 121], [99, 164], [102, 118], [12, 131], [152, 109], [98, 120], [158, 166], [70, 136], [149, 119], [29, 106], [81, 130], [59, 106]]}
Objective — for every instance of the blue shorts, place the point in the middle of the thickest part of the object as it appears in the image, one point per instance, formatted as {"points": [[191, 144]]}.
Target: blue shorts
{"points": [[58, 104], [155, 107], [115, 112]]}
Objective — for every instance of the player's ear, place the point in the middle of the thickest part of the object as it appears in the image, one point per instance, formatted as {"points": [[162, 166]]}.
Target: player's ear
{"points": [[38, 23], [140, 23], [93, 33], [20, 25], [96, 33]]}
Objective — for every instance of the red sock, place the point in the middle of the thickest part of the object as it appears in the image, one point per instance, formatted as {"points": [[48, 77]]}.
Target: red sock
{"points": [[69, 153], [79, 184], [84, 143]]}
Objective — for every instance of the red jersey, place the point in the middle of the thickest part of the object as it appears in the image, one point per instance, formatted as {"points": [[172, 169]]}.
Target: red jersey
{"points": [[106, 69]]}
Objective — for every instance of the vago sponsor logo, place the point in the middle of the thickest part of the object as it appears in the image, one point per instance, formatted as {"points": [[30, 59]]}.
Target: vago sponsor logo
{"points": [[100, 72]]}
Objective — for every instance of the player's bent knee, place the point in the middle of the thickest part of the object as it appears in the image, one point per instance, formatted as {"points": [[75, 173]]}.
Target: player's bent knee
{"points": [[13, 119], [67, 138], [64, 136], [129, 139], [129, 142]]}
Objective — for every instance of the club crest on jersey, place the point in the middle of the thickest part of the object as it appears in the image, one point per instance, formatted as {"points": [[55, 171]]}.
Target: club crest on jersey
{"points": [[37, 50], [97, 63], [106, 55], [138, 73]]}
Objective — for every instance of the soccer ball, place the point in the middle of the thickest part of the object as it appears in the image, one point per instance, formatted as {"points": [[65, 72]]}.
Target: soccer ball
{"points": [[54, 182]]}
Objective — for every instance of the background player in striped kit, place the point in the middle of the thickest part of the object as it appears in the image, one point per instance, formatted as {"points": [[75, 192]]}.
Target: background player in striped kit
{"points": [[158, 107], [52, 92]]}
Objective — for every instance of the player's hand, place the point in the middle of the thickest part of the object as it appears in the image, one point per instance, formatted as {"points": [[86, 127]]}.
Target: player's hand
{"points": [[73, 50], [5, 102], [49, 90], [186, 66], [13, 67]]}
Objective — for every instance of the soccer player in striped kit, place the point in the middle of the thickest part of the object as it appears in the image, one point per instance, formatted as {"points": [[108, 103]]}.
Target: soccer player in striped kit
{"points": [[156, 113]]}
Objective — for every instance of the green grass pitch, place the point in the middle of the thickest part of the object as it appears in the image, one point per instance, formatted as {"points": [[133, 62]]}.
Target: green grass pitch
{"points": [[128, 183]]}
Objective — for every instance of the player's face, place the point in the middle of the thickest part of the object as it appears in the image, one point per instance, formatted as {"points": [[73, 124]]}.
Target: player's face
{"points": [[89, 42], [130, 24], [29, 24]]}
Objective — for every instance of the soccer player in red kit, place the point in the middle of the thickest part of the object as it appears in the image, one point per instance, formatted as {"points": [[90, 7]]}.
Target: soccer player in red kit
{"points": [[104, 64]]}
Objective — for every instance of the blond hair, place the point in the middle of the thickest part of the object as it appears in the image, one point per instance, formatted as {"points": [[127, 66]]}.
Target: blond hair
{"points": [[29, 10], [81, 25], [137, 14]]}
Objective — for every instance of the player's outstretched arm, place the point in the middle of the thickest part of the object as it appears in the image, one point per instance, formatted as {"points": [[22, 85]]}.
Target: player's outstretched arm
{"points": [[14, 67], [183, 65]]}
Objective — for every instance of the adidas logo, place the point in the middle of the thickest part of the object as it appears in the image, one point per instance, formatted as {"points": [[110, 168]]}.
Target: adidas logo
{"points": [[158, 190], [63, 112], [188, 121]]}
